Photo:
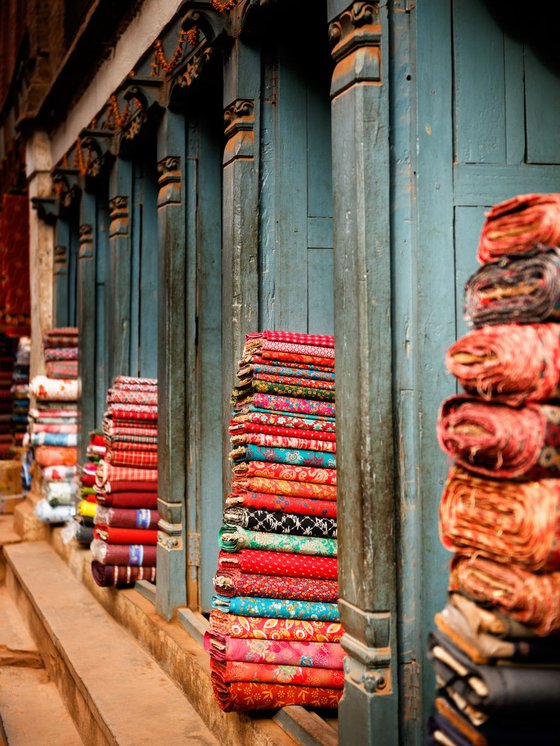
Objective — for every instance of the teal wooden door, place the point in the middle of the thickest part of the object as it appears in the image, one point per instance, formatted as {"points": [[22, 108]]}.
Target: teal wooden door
{"points": [[485, 116]]}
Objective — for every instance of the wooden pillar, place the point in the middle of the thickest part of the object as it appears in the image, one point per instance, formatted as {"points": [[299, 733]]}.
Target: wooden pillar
{"points": [[118, 317], [86, 318], [365, 461], [60, 272], [171, 589], [240, 283]]}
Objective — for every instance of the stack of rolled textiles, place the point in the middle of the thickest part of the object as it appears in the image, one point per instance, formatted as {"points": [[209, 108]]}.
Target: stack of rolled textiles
{"points": [[20, 391], [124, 547], [496, 648], [87, 505], [53, 426], [6, 373], [274, 636]]}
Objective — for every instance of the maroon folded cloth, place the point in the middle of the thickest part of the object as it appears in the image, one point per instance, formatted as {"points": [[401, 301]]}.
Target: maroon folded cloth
{"points": [[138, 555], [127, 499], [127, 517], [121, 577]]}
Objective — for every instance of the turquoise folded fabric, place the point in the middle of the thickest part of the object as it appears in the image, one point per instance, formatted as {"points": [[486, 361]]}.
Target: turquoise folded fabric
{"points": [[292, 456], [233, 538], [54, 439], [277, 608]]}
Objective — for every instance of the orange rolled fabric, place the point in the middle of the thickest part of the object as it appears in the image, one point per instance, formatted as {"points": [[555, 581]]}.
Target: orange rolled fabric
{"points": [[519, 225], [503, 520], [56, 456]]}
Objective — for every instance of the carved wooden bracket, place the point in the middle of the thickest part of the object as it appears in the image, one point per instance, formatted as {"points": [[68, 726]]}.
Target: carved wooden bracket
{"points": [[60, 260], [204, 18], [239, 129], [169, 181], [86, 241], [98, 147], [118, 216], [143, 98], [47, 209], [66, 186], [356, 38]]}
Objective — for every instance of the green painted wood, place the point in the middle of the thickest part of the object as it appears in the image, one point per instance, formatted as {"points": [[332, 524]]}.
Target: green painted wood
{"points": [[73, 252], [136, 244], [477, 184], [171, 590], [102, 288], [147, 357], [119, 305], [61, 272], [515, 101], [86, 318], [365, 462], [542, 102]]}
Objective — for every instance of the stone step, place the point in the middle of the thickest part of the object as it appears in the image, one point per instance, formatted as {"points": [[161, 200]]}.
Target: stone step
{"points": [[31, 710], [115, 691]]}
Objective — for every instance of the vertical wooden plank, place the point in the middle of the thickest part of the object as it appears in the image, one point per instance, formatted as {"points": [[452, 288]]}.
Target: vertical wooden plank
{"points": [[86, 318], [60, 269], [365, 463], [542, 102], [120, 197], [171, 552], [515, 100], [479, 97], [137, 227], [102, 285], [320, 295], [148, 273]]}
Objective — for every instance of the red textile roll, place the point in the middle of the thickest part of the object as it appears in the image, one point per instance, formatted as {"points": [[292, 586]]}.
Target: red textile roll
{"points": [[283, 503], [230, 671], [127, 499], [321, 340], [259, 360], [109, 473], [120, 577], [284, 487], [236, 583], [246, 695], [283, 441], [262, 628], [498, 441], [510, 363], [139, 396], [530, 598], [270, 470], [62, 369], [116, 535], [143, 444], [518, 225], [503, 520], [126, 458], [126, 485], [120, 380], [133, 412], [138, 555], [56, 456], [127, 517], [236, 428], [287, 564]]}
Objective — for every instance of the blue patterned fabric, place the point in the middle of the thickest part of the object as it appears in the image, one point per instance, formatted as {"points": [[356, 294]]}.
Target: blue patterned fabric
{"points": [[277, 608], [280, 370], [292, 456], [54, 439]]}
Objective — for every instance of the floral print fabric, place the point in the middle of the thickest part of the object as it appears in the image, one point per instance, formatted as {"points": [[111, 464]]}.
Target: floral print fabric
{"points": [[280, 523], [274, 608], [231, 671], [245, 695], [284, 487], [299, 457], [283, 503], [273, 470], [290, 404], [235, 583], [276, 563], [234, 625], [283, 441], [233, 538]]}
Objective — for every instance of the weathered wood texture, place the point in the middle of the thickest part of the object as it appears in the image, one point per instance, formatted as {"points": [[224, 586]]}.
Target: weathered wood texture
{"points": [[365, 462]]}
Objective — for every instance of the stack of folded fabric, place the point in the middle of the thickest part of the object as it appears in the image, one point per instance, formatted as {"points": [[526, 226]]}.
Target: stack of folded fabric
{"points": [[274, 636], [20, 391], [125, 532], [53, 425], [81, 527], [6, 373], [496, 648]]}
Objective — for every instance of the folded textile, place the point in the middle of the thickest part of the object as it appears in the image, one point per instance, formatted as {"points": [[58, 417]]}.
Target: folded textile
{"points": [[53, 439], [312, 374], [232, 582], [524, 290], [509, 363], [117, 535], [123, 554], [489, 620], [250, 415], [499, 441], [259, 344], [127, 518], [131, 443], [530, 598], [293, 379], [280, 563], [62, 369], [234, 538], [483, 648], [283, 487], [507, 521], [274, 608], [59, 473], [280, 523], [108, 473], [120, 576], [133, 412], [53, 456], [244, 392], [128, 458], [289, 456], [127, 499], [278, 403], [282, 652], [138, 396], [519, 225], [241, 429], [248, 695], [272, 470], [233, 625], [61, 353], [86, 508], [282, 441], [494, 689], [131, 380], [272, 335], [53, 513], [83, 534], [283, 504], [112, 429], [230, 671], [59, 428], [59, 493], [54, 389]]}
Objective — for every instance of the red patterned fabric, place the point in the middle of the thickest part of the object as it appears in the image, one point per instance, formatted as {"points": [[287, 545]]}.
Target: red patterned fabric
{"points": [[294, 380], [284, 487], [127, 518], [518, 225], [263, 628], [120, 577], [132, 458], [283, 441], [131, 443], [116, 535], [133, 412], [299, 365], [231, 582], [62, 369], [108, 473], [141, 396], [142, 382], [61, 353], [237, 428], [322, 340], [283, 503], [279, 563], [245, 695], [230, 671], [14, 264], [271, 470], [296, 357]]}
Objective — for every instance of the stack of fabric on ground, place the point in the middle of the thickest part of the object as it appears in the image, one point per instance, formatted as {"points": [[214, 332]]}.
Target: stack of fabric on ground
{"points": [[53, 425], [496, 648], [20, 391], [81, 525], [6, 373], [274, 636], [124, 546]]}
